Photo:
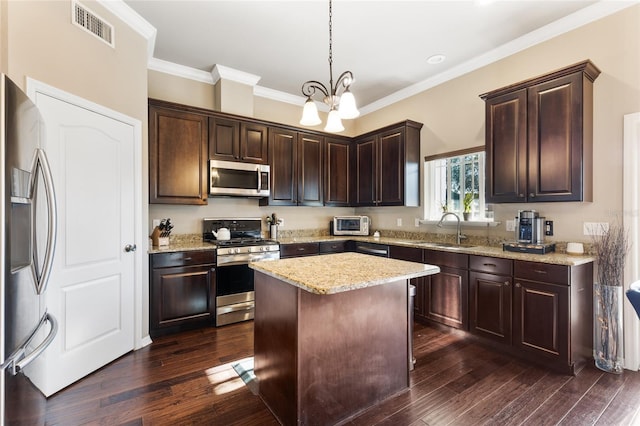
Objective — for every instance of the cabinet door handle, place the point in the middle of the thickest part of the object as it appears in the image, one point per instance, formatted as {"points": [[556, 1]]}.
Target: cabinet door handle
{"points": [[493, 265], [518, 285], [539, 271], [507, 283], [300, 248], [186, 259], [532, 195]]}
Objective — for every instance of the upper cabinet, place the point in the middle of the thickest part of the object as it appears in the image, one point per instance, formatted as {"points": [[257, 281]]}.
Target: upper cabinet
{"points": [[386, 166], [177, 156], [539, 138], [235, 140], [296, 168], [337, 173], [308, 168]]}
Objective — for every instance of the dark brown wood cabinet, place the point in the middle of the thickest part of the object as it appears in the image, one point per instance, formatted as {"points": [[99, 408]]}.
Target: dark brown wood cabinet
{"points": [[446, 298], [337, 173], [386, 166], [327, 247], [539, 138], [552, 313], [177, 156], [296, 168], [299, 250], [490, 288], [182, 291], [236, 140]]}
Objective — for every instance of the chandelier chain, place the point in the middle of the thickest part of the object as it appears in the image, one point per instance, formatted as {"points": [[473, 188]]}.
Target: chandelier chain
{"points": [[331, 48]]}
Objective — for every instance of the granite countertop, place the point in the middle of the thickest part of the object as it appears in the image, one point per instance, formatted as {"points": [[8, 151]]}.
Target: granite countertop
{"points": [[339, 272], [194, 242], [556, 258]]}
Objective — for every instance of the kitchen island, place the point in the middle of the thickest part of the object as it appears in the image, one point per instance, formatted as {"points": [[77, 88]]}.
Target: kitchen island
{"points": [[331, 334]]}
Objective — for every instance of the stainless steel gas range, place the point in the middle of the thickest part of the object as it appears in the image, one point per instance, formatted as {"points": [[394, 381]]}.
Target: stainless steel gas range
{"points": [[234, 278]]}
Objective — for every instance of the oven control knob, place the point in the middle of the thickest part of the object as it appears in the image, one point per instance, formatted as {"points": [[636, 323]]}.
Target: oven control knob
{"points": [[237, 250], [263, 248]]}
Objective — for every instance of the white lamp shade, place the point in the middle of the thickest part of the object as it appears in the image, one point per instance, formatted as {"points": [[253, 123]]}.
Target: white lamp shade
{"points": [[310, 115], [334, 123], [347, 107]]}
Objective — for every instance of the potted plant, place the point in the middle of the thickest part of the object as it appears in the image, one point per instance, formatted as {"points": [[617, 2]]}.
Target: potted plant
{"points": [[466, 203], [610, 248]]}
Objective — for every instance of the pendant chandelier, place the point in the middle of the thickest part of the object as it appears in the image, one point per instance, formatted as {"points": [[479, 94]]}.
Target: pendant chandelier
{"points": [[341, 101]]}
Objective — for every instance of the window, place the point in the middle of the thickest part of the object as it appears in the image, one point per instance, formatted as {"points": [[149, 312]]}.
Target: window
{"points": [[449, 179]]}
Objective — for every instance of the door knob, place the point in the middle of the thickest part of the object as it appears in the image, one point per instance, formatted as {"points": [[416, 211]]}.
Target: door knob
{"points": [[130, 247]]}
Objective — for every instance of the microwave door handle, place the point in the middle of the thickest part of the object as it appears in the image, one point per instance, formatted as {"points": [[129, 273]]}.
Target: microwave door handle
{"points": [[42, 164], [259, 180]]}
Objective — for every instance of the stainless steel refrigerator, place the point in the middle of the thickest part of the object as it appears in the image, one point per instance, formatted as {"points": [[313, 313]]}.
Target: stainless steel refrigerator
{"points": [[28, 226]]}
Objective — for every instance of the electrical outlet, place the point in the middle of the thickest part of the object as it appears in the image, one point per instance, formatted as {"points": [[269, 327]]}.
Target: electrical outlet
{"points": [[511, 225], [281, 222], [417, 222], [548, 227], [595, 228], [399, 221], [156, 222]]}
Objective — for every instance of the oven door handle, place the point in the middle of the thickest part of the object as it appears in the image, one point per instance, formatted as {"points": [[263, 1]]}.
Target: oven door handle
{"points": [[236, 307]]}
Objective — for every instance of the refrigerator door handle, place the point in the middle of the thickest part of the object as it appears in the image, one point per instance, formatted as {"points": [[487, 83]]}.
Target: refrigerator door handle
{"points": [[18, 360], [42, 164]]}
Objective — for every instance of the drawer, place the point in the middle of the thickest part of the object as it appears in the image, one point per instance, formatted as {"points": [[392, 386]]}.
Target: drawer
{"points": [[183, 258], [298, 249], [443, 258], [411, 254], [491, 265], [543, 272], [332, 246]]}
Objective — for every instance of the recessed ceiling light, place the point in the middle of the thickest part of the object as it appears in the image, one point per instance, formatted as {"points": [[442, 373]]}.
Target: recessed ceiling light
{"points": [[435, 59]]}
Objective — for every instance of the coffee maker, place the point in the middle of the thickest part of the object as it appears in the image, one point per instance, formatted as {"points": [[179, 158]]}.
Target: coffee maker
{"points": [[529, 232], [529, 227]]}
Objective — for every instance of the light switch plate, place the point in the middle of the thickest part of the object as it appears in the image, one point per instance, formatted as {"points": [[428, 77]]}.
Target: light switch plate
{"points": [[511, 225], [399, 221]]}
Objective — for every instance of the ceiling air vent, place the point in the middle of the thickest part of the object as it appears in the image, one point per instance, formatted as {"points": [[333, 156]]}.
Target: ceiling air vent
{"points": [[92, 23]]}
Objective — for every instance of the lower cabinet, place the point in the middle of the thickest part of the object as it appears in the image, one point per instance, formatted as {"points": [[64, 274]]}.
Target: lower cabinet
{"points": [[446, 294], [553, 313], [540, 312], [490, 288], [327, 247], [299, 250], [182, 291]]}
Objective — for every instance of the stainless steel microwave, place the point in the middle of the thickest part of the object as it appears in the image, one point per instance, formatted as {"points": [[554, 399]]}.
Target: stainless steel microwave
{"points": [[351, 225], [238, 179]]}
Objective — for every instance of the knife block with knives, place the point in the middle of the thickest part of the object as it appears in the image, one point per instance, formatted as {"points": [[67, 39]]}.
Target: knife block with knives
{"points": [[160, 234]]}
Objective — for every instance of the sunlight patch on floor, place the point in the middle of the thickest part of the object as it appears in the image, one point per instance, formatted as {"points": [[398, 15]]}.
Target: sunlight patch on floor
{"points": [[224, 378]]}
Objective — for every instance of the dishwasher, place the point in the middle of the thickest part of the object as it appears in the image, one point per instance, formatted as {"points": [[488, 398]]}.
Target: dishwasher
{"points": [[382, 250]]}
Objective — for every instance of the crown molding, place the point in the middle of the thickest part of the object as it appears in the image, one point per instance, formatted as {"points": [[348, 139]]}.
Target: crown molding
{"points": [[178, 70], [221, 72], [136, 22]]}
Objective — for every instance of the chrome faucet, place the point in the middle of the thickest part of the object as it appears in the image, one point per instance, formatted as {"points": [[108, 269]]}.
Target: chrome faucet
{"points": [[459, 236]]}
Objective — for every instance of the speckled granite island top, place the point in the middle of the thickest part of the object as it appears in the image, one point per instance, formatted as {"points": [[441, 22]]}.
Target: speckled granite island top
{"points": [[335, 273]]}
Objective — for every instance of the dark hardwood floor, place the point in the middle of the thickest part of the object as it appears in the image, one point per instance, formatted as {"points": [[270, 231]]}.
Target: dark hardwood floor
{"points": [[188, 379]]}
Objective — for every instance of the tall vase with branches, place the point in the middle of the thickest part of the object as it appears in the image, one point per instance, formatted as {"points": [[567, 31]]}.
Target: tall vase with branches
{"points": [[611, 248]]}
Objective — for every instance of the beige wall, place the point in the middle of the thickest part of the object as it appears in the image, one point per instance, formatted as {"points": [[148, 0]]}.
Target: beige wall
{"points": [[180, 90], [453, 117]]}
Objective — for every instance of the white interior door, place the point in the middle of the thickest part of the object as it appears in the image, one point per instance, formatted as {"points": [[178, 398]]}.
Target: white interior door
{"points": [[91, 289]]}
